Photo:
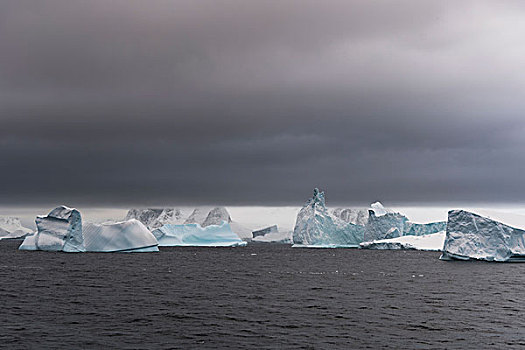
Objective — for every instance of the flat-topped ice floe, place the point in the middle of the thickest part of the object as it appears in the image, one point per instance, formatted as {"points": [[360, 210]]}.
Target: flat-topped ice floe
{"points": [[474, 237], [61, 230], [316, 227], [432, 241], [196, 235]]}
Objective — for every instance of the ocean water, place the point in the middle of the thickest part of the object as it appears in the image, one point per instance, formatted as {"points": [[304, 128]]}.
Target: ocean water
{"points": [[260, 297]]}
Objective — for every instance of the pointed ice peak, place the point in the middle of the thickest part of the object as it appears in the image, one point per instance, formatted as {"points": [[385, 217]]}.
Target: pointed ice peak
{"points": [[318, 198]]}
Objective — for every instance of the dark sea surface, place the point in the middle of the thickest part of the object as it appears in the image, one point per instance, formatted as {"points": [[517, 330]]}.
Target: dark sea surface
{"points": [[258, 297]]}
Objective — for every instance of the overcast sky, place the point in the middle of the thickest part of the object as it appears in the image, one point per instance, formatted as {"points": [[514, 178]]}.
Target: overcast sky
{"points": [[257, 102]]}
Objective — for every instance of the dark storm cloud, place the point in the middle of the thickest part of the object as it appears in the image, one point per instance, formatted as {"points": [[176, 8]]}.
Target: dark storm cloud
{"points": [[256, 102]]}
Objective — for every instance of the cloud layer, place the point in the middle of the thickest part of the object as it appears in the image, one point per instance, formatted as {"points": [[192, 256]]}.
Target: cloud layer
{"points": [[236, 102]]}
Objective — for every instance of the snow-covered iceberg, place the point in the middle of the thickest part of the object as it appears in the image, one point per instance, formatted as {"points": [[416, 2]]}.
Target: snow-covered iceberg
{"points": [[316, 227], [432, 241], [155, 218], [472, 236], [11, 228], [62, 230], [196, 235]]}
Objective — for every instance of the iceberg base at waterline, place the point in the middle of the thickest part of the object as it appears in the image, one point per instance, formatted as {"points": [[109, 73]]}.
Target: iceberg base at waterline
{"points": [[196, 235], [433, 242], [325, 246]]}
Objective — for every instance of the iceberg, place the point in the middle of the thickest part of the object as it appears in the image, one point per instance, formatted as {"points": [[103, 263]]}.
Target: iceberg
{"points": [[155, 218], [383, 224], [473, 237], [61, 230], [125, 236], [265, 231], [316, 227], [11, 228], [271, 234], [389, 225], [432, 241], [196, 235]]}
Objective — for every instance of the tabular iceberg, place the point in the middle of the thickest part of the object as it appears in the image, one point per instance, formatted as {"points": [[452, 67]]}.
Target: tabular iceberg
{"points": [[316, 227], [196, 235], [432, 241], [11, 228], [61, 230], [471, 236]]}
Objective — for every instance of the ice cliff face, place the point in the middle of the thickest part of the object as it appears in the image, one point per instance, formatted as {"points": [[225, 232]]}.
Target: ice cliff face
{"points": [[471, 236], [11, 228], [315, 226], [61, 230], [155, 218], [196, 235]]}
